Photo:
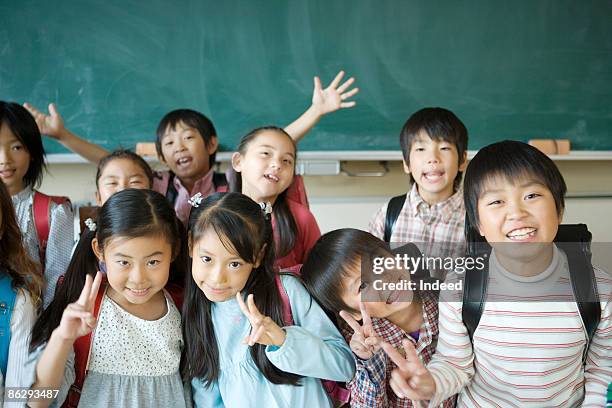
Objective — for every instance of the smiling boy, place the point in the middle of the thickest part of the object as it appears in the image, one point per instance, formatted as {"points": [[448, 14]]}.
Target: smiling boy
{"points": [[434, 145], [530, 347]]}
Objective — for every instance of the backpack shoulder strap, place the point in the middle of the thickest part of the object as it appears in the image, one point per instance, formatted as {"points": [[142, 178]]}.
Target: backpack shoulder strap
{"points": [[220, 182], [41, 209], [171, 192], [177, 294], [82, 351], [297, 191], [393, 210], [287, 315], [585, 290], [474, 294], [8, 295]]}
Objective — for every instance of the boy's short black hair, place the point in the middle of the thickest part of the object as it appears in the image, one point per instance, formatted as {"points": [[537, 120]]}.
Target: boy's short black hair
{"points": [[439, 124], [192, 119], [24, 127], [510, 160]]}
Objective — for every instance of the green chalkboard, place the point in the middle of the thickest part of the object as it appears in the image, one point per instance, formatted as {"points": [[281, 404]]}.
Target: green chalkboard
{"points": [[522, 69]]}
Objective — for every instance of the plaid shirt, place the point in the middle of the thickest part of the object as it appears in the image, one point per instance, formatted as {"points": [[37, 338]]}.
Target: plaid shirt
{"points": [[370, 385], [438, 229]]}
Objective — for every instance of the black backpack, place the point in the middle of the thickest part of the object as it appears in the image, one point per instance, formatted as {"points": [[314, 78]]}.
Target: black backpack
{"points": [[579, 259], [393, 209]]}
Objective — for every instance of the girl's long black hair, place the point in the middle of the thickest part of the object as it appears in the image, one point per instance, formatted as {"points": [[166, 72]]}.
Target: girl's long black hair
{"points": [[129, 213], [244, 229], [286, 227]]}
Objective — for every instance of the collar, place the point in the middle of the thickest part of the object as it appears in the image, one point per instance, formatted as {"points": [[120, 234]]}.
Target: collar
{"points": [[22, 195], [202, 185], [445, 209]]}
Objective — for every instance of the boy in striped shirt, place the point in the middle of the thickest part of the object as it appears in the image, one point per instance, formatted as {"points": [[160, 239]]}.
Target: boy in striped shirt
{"points": [[525, 352]]}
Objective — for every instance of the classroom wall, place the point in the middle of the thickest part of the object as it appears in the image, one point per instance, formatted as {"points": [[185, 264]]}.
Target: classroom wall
{"points": [[342, 201]]}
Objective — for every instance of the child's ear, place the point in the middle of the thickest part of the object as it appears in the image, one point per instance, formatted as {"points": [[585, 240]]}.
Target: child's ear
{"points": [[96, 248], [237, 161], [212, 145], [463, 162], [260, 257], [406, 167]]}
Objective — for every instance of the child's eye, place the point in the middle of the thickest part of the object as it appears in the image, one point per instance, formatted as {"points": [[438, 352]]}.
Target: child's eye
{"points": [[168, 143], [153, 262], [235, 265], [188, 137], [135, 182], [264, 154], [123, 262], [495, 202], [17, 147], [111, 184], [287, 161], [206, 259], [419, 149], [532, 196], [363, 286], [445, 148]]}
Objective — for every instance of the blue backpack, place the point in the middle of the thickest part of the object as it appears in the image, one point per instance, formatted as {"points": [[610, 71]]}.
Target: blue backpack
{"points": [[7, 304]]}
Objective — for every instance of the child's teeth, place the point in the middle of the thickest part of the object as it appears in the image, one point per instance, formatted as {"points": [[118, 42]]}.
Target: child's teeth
{"points": [[522, 233]]}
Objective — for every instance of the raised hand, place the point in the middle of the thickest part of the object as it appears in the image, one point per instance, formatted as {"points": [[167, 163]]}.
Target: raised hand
{"points": [[51, 125], [410, 379], [333, 97], [364, 341], [78, 319], [263, 329]]}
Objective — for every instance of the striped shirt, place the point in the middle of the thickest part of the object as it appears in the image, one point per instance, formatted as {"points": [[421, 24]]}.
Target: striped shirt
{"points": [[438, 229], [526, 352], [22, 321], [370, 386]]}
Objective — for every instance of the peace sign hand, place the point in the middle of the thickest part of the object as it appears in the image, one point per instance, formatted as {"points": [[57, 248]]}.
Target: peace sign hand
{"points": [[364, 342], [263, 329], [78, 319], [411, 379], [335, 96]]}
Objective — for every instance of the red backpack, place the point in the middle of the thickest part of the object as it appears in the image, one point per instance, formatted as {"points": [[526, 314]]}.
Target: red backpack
{"points": [[82, 346], [41, 209], [339, 394]]}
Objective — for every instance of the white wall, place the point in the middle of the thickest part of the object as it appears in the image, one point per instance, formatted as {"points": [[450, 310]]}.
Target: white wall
{"points": [[342, 201]]}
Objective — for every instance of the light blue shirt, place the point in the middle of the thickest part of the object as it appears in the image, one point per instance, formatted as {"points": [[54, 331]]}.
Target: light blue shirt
{"points": [[313, 348]]}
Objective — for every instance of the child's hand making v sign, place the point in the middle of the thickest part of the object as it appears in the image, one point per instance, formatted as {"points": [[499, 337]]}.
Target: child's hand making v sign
{"points": [[263, 329], [78, 318], [364, 342], [411, 379]]}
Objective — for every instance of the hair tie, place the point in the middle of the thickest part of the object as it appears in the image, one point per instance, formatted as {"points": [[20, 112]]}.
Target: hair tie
{"points": [[266, 207], [196, 200], [91, 225]]}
